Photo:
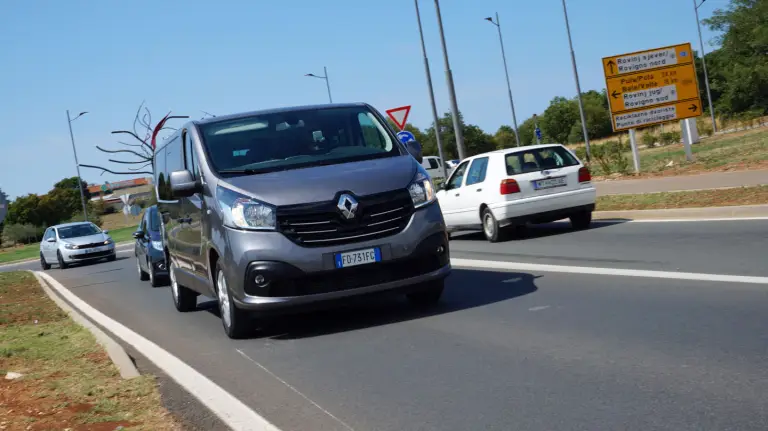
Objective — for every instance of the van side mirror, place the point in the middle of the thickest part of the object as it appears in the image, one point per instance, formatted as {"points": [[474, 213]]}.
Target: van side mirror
{"points": [[414, 148], [183, 184], [138, 234]]}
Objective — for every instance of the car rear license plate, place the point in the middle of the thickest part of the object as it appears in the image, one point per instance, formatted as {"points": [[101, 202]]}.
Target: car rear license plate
{"points": [[548, 183], [357, 257]]}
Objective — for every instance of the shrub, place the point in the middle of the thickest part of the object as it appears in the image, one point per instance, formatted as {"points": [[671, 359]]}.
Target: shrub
{"points": [[615, 154], [649, 139], [668, 138]]}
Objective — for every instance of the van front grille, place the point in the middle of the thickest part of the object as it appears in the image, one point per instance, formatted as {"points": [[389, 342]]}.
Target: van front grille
{"points": [[321, 224]]}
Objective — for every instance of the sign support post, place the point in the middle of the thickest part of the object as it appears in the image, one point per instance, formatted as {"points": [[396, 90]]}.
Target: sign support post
{"points": [[688, 140], [635, 153]]}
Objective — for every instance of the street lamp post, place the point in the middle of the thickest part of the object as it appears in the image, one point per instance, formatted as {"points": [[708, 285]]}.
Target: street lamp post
{"points": [[578, 86], [451, 90], [327, 84], [506, 73], [704, 63], [77, 164], [431, 93]]}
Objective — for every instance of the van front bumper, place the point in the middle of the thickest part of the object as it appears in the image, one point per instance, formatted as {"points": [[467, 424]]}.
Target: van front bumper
{"points": [[292, 275]]}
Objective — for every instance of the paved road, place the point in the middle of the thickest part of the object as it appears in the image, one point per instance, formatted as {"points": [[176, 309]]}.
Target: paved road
{"points": [[505, 350], [683, 182]]}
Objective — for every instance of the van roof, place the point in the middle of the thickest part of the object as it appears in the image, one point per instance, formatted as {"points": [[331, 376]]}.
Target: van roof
{"points": [[216, 119]]}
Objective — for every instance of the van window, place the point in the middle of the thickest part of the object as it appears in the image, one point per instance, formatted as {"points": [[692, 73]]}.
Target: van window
{"points": [[172, 160], [296, 139], [189, 155], [539, 159]]}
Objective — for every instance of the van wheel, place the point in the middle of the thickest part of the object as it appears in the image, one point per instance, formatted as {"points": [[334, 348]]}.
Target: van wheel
{"points": [[493, 232], [46, 266], [183, 298], [143, 276], [235, 320], [429, 295], [581, 220], [60, 259]]}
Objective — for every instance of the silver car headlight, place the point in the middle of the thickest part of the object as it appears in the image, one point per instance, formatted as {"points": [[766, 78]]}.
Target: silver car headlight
{"points": [[69, 246], [422, 190], [243, 212], [109, 241], [157, 245]]}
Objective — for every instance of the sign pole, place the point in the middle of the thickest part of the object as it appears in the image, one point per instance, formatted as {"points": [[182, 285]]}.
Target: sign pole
{"points": [[635, 153], [688, 140]]}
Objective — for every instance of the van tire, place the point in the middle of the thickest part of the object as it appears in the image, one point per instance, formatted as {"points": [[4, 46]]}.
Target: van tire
{"points": [[581, 220], [429, 294], [491, 229], [183, 298], [234, 320]]}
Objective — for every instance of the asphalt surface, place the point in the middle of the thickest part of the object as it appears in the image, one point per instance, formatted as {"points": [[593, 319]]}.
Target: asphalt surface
{"points": [[504, 350]]}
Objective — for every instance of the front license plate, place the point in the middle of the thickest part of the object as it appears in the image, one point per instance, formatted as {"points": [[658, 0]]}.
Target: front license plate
{"points": [[549, 183], [88, 251], [357, 257]]}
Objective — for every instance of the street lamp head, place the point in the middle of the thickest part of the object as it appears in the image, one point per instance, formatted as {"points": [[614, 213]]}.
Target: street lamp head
{"points": [[311, 74], [489, 19]]}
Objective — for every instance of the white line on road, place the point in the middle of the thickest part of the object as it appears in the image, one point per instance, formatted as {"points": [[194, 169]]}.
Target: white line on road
{"points": [[294, 389], [224, 405], [677, 220], [520, 266]]}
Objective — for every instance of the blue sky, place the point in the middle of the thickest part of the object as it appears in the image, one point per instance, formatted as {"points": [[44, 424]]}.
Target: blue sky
{"points": [[106, 57]]}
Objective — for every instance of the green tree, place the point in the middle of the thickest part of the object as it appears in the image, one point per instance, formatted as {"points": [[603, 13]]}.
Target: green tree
{"points": [[505, 137], [740, 67], [526, 129], [24, 210], [559, 118]]}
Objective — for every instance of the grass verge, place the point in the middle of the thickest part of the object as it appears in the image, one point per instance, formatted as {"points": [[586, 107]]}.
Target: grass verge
{"points": [[68, 380], [688, 199], [30, 251]]}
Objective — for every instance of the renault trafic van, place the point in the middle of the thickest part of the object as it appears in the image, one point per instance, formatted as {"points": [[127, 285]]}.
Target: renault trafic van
{"points": [[272, 210]]}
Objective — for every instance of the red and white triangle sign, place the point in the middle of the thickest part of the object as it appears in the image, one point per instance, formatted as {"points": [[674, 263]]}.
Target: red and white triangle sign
{"points": [[399, 115]]}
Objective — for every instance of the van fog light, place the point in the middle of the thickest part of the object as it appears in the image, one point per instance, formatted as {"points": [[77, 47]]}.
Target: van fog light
{"points": [[260, 280], [440, 250]]}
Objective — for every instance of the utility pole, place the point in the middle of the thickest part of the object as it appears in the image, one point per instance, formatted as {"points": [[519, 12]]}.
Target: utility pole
{"points": [[435, 118], [506, 73], [451, 90], [704, 63], [578, 86], [77, 164]]}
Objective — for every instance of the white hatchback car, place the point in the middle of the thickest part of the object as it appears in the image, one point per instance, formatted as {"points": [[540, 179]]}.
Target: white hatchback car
{"points": [[515, 186]]}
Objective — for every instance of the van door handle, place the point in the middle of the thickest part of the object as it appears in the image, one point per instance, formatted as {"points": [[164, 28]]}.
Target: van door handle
{"points": [[479, 190], [456, 194], [185, 220]]}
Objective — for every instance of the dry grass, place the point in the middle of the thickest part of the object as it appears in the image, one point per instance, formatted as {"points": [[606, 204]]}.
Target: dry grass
{"points": [[68, 380], [689, 199]]}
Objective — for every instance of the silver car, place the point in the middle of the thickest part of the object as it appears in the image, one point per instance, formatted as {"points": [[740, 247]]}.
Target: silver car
{"points": [[69, 243], [275, 210]]}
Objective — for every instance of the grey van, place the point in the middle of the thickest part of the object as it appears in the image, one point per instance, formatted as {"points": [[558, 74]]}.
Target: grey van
{"points": [[271, 211]]}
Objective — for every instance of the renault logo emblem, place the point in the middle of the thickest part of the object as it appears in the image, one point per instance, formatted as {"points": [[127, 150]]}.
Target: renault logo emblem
{"points": [[347, 205]]}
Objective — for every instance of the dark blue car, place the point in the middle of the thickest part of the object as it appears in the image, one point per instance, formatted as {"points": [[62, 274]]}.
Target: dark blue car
{"points": [[150, 258]]}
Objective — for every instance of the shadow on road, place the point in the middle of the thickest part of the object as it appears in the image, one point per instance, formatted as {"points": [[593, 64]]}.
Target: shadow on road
{"points": [[465, 289], [534, 231]]}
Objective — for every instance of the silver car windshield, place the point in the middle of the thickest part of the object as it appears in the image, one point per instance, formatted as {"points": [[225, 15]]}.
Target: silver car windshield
{"points": [[77, 231], [297, 139]]}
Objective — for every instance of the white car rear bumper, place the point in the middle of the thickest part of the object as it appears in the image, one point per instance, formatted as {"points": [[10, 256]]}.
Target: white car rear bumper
{"points": [[548, 206]]}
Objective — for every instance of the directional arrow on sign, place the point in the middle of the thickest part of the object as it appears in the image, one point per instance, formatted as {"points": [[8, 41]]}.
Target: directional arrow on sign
{"points": [[611, 64], [615, 94], [693, 108]]}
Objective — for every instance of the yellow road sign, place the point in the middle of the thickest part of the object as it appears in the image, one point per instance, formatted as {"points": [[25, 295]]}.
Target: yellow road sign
{"points": [[654, 87], [651, 87], [647, 60], [655, 115]]}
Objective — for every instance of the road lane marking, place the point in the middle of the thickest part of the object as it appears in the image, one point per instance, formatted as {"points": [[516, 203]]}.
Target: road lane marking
{"points": [[539, 308], [677, 220], [243, 354], [520, 266], [224, 405]]}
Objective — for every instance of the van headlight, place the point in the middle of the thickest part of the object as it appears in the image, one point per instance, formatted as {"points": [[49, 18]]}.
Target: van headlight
{"points": [[242, 212], [422, 190], [157, 245]]}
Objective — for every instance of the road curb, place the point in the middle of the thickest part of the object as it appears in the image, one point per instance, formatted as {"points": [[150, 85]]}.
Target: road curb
{"points": [[115, 351], [16, 262], [714, 213]]}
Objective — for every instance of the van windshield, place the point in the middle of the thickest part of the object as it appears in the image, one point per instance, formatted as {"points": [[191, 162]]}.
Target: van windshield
{"points": [[297, 139]]}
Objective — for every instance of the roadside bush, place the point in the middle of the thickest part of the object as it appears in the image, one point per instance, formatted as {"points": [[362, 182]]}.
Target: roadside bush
{"points": [[581, 153], [649, 140], [615, 152], [668, 138], [602, 157], [22, 234]]}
